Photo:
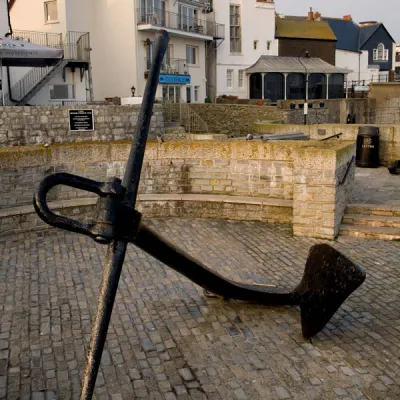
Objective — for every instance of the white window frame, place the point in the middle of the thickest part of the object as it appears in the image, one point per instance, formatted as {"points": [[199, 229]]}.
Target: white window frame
{"points": [[195, 52], [46, 13], [241, 78], [229, 78], [235, 31], [380, 53]]}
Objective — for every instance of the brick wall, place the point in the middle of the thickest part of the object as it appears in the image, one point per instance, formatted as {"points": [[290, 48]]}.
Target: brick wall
{"points": [[37, 125]]}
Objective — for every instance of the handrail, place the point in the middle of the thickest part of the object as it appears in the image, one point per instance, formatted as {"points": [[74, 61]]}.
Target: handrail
{"points": [[28, 82], [191, 120], [168, 19], [347, 170], [330, 137]]}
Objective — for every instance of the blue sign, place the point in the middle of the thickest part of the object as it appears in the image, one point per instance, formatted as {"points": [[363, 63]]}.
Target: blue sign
{"points": [[175, 79]]}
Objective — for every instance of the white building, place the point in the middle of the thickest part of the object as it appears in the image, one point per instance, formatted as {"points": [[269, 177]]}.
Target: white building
{"points": [[250, 33], [397, 60], [122, 34], [4, 27]]}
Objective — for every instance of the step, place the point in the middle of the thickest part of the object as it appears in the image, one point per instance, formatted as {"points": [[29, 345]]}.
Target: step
{"points": [[172, 124], [373, 209], [376, 221], [176, 130], [369, 232]]}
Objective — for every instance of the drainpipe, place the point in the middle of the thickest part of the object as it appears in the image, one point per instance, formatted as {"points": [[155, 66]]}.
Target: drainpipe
{"points": [[10, 32], [359, 66]]}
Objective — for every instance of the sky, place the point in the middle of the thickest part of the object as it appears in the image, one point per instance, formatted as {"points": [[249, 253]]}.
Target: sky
{"points": [[385, 11]]}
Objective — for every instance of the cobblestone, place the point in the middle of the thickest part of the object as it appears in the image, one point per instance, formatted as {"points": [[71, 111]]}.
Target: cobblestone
{"points": [[167, 342]]}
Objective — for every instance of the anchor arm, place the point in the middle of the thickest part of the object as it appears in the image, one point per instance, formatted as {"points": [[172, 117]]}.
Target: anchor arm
{"points": [[177, 259]]}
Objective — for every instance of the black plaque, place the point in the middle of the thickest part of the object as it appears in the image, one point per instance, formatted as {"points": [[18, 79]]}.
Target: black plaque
{"points": [[81, 120]]}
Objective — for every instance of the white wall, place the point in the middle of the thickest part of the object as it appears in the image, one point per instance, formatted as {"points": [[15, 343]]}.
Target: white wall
{"points": [[197, 73], [29, 15], [257, 23], [358, 62], [3, 18]]}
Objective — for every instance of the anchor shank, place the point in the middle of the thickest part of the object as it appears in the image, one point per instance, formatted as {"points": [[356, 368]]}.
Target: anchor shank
{"points": [[177, 259], [117, 248], [108, 289]]}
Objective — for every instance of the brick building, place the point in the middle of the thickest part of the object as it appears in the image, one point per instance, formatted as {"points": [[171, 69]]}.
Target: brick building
{"points": [[296, 36]]}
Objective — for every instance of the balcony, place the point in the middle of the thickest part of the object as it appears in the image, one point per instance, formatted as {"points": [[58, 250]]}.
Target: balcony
{"points": [[171, 66], [153, 19], [76, 45]]}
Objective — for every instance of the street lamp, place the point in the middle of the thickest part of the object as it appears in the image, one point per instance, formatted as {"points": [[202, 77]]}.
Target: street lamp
{"points": [[306, 55]]}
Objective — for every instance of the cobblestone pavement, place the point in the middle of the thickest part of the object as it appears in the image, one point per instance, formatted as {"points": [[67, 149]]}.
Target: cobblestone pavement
{"points": [[376, 186], [167, 342]]}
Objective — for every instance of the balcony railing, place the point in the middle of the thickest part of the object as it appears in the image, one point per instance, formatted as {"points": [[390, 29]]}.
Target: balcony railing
{"points": [[173, 66], [166, 19], [76, 45]]}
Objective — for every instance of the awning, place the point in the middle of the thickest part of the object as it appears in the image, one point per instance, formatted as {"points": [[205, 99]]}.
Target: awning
{"points": [[17, 53], [296, 65]]}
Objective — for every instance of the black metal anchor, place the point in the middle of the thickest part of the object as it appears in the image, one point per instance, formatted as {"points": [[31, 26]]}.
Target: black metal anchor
{"points": [[329, 276]]}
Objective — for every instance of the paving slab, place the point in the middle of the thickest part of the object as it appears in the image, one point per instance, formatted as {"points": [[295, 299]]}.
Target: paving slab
{"points": [[167, 341], [376, 186]]}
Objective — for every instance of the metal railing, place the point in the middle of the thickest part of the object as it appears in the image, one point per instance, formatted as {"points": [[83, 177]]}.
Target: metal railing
{"points": [[191, 120], [76, 45], [184, 114], [27, 83], [167, 19], [173, 66]]}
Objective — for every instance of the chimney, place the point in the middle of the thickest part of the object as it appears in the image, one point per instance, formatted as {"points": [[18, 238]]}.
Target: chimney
{"points": [[310, 15], [348, 18]]}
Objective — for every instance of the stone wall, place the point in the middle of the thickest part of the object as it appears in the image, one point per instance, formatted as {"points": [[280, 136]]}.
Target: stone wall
{"points": [[389, 135], [37, 125], [320, 192], [314, 116], [235, 120], [224, 179], [335, 111]]}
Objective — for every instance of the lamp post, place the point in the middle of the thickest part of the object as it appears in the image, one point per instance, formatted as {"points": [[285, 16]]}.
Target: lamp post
{"points": [[307, 55]]}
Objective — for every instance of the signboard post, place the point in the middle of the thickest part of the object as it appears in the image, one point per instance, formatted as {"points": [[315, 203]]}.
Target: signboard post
{"points": [[81, 120]]}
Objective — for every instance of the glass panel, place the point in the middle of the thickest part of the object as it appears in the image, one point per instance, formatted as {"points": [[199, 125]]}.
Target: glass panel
{"points": [[188, 94], [51, 11]]}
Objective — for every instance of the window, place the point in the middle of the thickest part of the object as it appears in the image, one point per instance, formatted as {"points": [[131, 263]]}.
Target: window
{"points": [[152, 12], [191, 55], [229, 78], [50, 11], [269, 45], [62, 92], [241, 75], [235, 30], [188, 94], [188, 20], [255, 44], [380, 53], [196, 94]]}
